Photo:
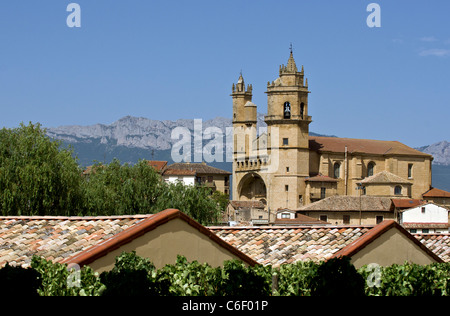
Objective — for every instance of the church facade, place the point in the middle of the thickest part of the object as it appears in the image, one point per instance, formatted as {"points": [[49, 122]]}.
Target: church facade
{"points": [[285, 167]]}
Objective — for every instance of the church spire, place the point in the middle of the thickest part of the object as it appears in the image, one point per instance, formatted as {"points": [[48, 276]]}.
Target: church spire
{"points": [[291, 67]]}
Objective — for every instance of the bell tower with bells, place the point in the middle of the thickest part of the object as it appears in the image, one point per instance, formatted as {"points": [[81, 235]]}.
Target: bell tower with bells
{"points": [[287, 111]]}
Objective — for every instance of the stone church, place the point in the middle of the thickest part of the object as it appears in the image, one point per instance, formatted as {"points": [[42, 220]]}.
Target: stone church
{"points": [[285, 167]]}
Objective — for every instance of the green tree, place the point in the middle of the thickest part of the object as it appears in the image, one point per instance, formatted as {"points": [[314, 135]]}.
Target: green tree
{"points": [[37, 175], [116, 189], [194, 201], [123, 189]]}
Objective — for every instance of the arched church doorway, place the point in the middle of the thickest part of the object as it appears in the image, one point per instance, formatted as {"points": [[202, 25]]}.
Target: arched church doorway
{"points": [[252, 187]]}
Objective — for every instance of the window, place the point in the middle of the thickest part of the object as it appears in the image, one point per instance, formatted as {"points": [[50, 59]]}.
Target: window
{"points": [[285, 215], [302, 109], [287, 110], [337, 170], [323, 193], [287, 169], [285, 141], [398, 190], [286, 188], [370, 169], [210, 179], [425, 230], [379, 219], [413, 230], [323, 218], [346, 219], [423, 209], [410, 170]]}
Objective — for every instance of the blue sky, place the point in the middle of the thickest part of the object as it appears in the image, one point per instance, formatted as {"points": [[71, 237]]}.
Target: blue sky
{"points": [[167, 60]]}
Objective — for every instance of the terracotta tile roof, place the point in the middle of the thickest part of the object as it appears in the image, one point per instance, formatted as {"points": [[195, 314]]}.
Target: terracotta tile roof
{"points": [[424, 225], [438, 243], [378, 147], [55, 238], [436, 193], [275, 245], [351, 203], [384, 177], [321, 178], [406, 203], [91, 169], [179, 172], [200, 168], [82, 240], [158, 165], [377, 231], [138, 229]]}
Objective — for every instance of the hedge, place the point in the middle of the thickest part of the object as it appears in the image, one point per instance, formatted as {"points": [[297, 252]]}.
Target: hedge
{"points": [[136, 276]]}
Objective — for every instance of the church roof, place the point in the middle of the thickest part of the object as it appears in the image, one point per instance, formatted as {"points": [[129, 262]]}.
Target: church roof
{"points": [[384, 177], [291, 67], [368, 146]]}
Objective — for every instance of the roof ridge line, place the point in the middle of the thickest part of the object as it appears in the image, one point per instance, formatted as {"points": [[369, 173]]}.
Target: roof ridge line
{"points": [[52, 217]]}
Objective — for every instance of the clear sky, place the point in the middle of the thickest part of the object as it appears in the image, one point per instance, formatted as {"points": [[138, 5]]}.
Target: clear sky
{"points": [[169, 59]]}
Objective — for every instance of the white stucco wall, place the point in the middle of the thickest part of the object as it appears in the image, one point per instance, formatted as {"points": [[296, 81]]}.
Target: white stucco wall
{"points": [[186, 180], [433, 214]]}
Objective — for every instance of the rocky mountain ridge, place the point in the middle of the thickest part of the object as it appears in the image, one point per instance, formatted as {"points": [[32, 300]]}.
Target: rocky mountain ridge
{"points": [[147, 134], [440, 151]]}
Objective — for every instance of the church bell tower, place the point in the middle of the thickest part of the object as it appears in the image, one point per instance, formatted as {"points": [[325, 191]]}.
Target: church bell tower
{"points": [[288, 130]]}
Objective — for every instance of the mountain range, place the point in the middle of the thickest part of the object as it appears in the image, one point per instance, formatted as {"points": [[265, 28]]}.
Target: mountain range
{"points": [[440, 152], [133, 138]]}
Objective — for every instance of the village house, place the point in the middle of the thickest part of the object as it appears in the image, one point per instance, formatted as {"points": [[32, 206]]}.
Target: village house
{"points": [[426, 218], [437, 196], [286, 217], [351, 210], [248, 213], [198, 173]]}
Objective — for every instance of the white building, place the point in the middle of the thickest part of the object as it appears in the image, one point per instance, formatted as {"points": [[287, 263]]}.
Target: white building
{"points": [[187, 177], [426, 218], [198, 173]]}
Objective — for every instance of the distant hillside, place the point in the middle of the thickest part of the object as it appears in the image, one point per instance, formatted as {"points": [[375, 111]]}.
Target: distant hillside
{"points": [[441, 177], [440, 152]]}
